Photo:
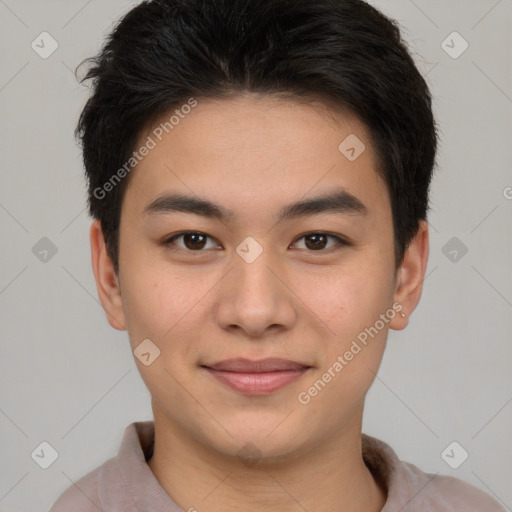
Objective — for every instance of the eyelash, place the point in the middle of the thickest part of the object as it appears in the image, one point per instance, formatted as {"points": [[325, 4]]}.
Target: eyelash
{"points": [[169, 242]]}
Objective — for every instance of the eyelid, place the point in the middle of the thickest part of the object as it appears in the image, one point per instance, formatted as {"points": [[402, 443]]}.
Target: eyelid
{"points": [[170, 240], [341, 241]]}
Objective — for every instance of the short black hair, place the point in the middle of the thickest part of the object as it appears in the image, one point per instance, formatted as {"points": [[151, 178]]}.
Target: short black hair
{"points": [[164, 53]]}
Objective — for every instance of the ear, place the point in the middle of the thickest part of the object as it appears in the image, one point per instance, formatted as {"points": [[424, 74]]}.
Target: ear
{"points": [[410, 276], [107, 282]]}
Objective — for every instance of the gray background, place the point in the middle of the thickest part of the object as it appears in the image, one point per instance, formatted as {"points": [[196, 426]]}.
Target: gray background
{"points": [[68, 378]]}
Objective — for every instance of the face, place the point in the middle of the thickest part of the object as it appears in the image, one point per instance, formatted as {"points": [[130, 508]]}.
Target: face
{"points": [[313, 286]]}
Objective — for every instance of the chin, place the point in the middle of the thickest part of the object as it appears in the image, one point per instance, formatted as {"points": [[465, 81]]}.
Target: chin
{"points": [[261, 442]]}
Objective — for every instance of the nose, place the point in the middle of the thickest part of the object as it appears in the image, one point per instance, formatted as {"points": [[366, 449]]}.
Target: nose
{"points": [[256, 298]]}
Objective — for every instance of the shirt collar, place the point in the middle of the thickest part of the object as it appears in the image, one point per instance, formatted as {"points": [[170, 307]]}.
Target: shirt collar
{"points": [[130, 471]]}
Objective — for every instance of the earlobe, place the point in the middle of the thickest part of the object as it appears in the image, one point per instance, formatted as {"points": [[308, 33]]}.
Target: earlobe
{"points": [[410, 277], [107, 282]]}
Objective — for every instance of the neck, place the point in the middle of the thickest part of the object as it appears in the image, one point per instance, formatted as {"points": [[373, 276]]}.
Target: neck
{"points": [[331, 477]]}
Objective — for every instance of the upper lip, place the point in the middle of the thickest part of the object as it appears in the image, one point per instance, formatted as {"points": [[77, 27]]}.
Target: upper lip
{"points": [[251, 366]]}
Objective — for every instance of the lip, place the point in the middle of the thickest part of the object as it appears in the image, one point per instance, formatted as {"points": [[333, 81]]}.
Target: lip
{"points": [[261, 377]]}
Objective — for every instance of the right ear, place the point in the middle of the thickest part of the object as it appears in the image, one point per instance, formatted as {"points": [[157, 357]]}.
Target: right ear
{"points": [[107, 282]]}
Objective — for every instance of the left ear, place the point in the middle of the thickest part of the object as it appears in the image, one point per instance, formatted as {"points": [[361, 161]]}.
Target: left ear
{"points": [[410, 277]]}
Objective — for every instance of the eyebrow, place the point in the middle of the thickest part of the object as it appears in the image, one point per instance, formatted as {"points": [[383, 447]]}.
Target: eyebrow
{"points": [[339, 201]]}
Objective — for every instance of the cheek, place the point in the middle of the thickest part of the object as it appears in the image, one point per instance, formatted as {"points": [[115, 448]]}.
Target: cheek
{"points": [[350, 302], [152, 302], [348, 299], [158, 310], [165, 307]]}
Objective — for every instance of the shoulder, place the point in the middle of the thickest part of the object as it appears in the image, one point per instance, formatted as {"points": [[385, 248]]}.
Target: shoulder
{"points": [[440, 492], [81, 496], [114, 484], [84, 495], [410, 489]]}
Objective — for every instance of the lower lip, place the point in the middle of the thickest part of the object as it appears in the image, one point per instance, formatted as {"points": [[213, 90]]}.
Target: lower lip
{"points": [[257, 383]]}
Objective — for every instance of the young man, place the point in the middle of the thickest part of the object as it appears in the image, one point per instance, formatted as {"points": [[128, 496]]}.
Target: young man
{"points": [[258, 175]]}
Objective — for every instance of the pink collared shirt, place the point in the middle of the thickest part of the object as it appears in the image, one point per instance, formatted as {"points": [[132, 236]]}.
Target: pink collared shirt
{"points": [[125, 483]]}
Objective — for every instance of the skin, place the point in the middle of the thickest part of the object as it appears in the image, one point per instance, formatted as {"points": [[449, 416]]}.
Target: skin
{"points": [[254, 155]]}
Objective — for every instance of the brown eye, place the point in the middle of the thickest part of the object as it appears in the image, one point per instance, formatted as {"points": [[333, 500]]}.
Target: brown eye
{"points": [[319, 241], [316, 241], [192, 241]]}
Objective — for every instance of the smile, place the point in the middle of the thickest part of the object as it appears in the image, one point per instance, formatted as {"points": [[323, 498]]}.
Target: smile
{"points": [[257, 377]]}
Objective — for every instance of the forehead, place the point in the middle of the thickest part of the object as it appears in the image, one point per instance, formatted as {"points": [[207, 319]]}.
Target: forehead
{"points": [[252, 146], [256, 123]]}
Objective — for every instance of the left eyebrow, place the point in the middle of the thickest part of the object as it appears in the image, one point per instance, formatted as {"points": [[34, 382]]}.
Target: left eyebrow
{"points": [[339, 201]]}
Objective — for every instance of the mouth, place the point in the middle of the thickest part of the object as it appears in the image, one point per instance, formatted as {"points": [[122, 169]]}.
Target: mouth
{"points": [[256, 377]]}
